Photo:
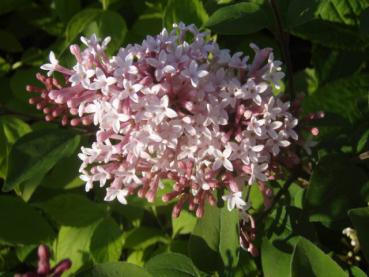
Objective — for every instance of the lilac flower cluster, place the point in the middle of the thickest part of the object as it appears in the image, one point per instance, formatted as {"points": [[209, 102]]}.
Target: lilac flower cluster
{"points": [[174, 107]]}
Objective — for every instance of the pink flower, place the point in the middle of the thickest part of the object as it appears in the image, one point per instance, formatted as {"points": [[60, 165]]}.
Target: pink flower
{"points": [[173, 108]]}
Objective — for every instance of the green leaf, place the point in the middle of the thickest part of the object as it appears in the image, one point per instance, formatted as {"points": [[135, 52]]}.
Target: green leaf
{"points": [[186, 11], [363, 142], [11, 129], [184, 224], [20, 223], [28, 187], [72, 210], [143, 237], [342, 11], [115, 269], [79, 22], [132, 213], [107, 242], [136, 257], [357, 272], [171, 264], [108, 23], [331, 64], [20, 80], [74, 243], [9, 43], [65, 9], [246, 266], [65, 174], [308, 260], [360, 219], [275, 262], [215, 239], [340, 97], [146, 24], [337, 183], [239, 19], [300, 12], [331, 35], [36, 153]]}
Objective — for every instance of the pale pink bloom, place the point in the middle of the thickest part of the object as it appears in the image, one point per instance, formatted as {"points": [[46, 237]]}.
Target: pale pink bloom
{"points": [[102, 82], [257, 126], [124, 63], [161, 66], [130, 90], [276, 143], [272, 127], [222, 159], [234, 200], [120, 194], [194, 73], [52, 65], [271, 109], [273, 73], [111, 118], [251, 90], [173, 108], [257, 172], [81, 76], [89, 181], [237, 61]]}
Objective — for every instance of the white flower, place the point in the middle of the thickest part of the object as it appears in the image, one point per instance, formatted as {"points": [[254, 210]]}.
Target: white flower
{"points": [[251, 90], [52, 65], [273, 73], [161, 65], [130, 90], [93, 43], [89, 181], [222, 159], [271, 109], [257, 126], [111, 118], [235, 200], [102, 175], [81, 75], [194, 74], [237, 62], [124, 62], [102, 82], [257, 172], [120, 194], [277, 142], [159, 109]]}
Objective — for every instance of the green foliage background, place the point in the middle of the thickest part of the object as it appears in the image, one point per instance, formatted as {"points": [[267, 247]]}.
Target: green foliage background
{"points": [[43, 200]]}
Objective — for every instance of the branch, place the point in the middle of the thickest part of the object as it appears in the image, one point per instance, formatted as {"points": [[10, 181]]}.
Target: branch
{"points": [[278, 196], [283, 39]]}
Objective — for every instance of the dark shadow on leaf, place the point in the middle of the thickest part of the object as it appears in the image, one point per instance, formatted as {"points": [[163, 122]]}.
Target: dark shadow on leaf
{"points": [[205, 258]]}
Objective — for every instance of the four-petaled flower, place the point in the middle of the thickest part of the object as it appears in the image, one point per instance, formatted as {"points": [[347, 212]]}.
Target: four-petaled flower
{"points": [[222, 159], [194, 73], [234, 200], [52, 65]]}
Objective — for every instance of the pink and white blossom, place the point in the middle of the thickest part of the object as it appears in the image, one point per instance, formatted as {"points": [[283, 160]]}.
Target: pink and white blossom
{"points": [[173, 108]]}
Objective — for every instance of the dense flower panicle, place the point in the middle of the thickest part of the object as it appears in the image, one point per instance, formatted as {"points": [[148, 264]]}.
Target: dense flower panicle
{"points": [[174, 107]]}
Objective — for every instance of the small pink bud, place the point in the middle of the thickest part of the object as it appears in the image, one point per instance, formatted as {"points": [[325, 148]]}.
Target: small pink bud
{"points": [[314, 131]]}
